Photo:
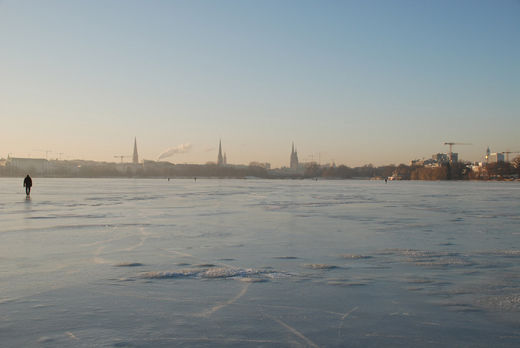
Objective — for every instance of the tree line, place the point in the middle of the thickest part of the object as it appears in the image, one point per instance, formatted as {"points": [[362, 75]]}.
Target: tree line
{"points": [[447, 171]]}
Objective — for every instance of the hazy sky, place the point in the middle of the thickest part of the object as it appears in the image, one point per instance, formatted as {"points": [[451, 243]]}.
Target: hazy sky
{"points": [[353, 82]]}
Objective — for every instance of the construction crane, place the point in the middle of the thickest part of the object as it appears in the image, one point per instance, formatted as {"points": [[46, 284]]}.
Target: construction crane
{"points": [[46, 152], [450, 154], [507, 154], [121, 157]]}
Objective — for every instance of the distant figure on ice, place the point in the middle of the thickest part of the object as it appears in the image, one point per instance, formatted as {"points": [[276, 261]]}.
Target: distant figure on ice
{"points": [[27, 183], [195, 179]]}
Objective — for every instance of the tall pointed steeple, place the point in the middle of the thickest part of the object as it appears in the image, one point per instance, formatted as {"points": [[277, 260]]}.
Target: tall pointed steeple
{"points": [[294, 158], [220, 159], [135, 157]]}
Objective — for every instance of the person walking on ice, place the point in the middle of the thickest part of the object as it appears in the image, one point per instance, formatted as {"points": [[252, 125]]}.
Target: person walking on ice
{"points": [[27, 183]]}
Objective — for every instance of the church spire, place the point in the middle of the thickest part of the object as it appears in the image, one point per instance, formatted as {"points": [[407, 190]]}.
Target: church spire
{"points": [[135, 157], [294, 158], [220, 159]]}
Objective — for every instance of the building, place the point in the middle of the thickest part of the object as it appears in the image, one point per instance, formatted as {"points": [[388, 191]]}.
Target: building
{"points": [[32, 166], [294, 164], [495, 157], [454, 157], [440, 158], [264, 165]]}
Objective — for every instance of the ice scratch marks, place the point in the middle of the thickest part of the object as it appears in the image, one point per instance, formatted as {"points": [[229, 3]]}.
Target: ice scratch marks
{"points": [[219, 306], [56, 339], [98, 259], [300, 309], [45, 339], [142, 238], [181, 341], [293, 331], [176, 253], [120, 238], [71, 335], [343, 317], [7, 300]]}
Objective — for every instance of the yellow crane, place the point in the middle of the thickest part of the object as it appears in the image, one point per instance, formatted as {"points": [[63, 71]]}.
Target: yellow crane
{"points": [[450, 143]]}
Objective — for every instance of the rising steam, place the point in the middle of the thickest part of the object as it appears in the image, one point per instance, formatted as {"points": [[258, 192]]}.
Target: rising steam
{"points": [[183, 148]]}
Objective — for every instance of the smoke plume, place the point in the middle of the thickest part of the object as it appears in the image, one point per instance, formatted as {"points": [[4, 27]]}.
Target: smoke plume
{"points": [[183, 148]]}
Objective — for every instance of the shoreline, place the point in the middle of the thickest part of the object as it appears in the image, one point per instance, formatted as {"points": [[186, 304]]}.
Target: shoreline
{"points": [[259, 178]]}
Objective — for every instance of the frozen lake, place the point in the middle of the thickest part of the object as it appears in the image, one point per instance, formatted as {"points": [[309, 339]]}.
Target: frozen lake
{"points": [[117, 263]]}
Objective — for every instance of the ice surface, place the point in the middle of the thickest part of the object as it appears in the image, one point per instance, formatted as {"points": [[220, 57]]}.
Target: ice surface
{"points": [[150, 263]]}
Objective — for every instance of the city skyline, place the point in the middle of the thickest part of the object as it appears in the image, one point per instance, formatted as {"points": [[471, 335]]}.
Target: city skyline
{"points": [[349, 82], [292, 163]]}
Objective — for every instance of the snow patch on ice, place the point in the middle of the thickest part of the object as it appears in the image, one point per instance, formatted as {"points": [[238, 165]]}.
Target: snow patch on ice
{"points": [[505, 253], [509, 303], [183, 273], [355, 256], [214, 272]]}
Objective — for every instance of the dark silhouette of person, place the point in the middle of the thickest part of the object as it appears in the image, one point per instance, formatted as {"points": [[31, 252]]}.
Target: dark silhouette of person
{"points": [[27, 183]]}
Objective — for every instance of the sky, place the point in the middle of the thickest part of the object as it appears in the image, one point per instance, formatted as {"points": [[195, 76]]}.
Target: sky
{"points": [[350, 82]]}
